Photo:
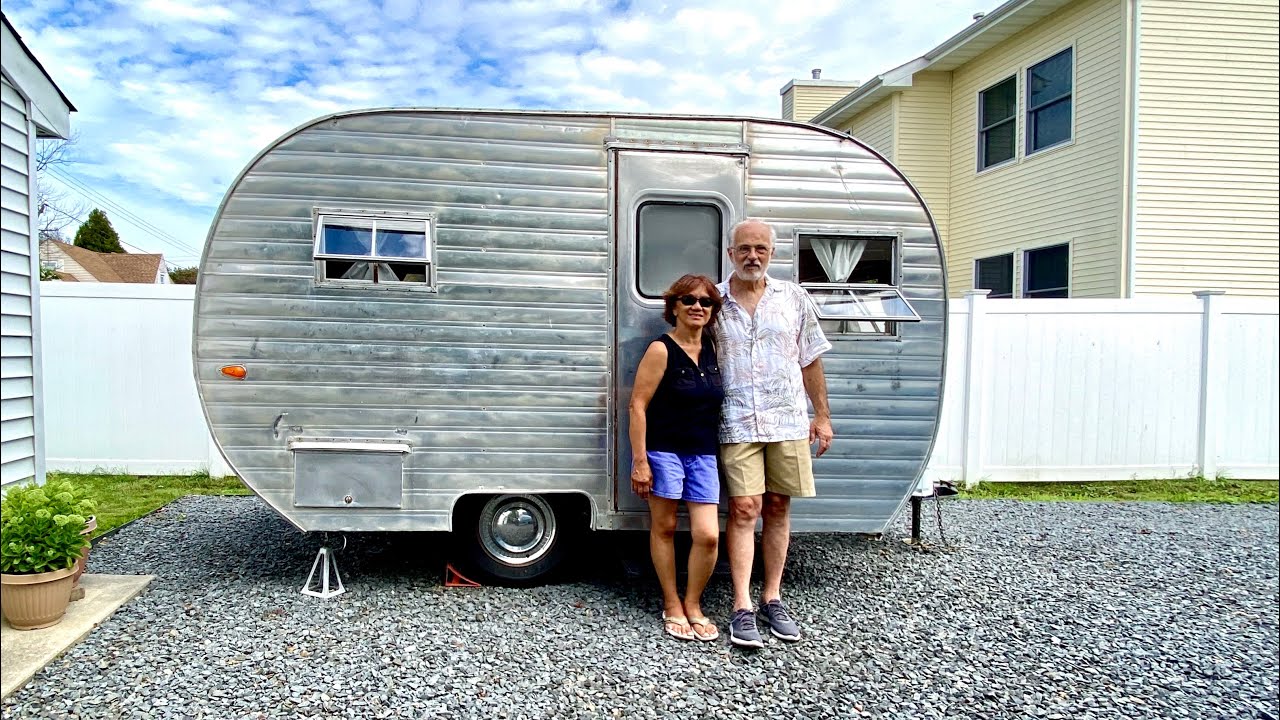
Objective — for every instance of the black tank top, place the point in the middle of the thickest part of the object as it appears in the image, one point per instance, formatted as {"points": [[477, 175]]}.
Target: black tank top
{"points": [[684, 413]]}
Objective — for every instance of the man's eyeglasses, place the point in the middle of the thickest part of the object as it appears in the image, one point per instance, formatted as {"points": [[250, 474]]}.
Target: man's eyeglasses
{"points": [[745, 250], [689, 300]]}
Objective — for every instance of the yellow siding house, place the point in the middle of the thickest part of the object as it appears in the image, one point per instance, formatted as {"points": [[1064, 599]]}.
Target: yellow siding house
{"points": [[1091, 148]]}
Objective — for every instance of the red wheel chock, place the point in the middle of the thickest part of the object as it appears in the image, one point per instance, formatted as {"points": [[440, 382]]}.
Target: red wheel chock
{"points": [[453, 578]]}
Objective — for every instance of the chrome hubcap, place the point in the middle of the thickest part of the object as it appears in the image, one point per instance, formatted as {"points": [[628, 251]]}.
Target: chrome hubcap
{"points": [[517, 530]]}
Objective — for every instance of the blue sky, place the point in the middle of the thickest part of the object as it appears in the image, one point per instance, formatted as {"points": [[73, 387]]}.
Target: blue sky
{"points": [[174, 98]]}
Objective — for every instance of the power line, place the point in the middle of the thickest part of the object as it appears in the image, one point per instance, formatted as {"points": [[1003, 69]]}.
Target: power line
{"points": [[168, 265], [116, 207], [128, 215]]}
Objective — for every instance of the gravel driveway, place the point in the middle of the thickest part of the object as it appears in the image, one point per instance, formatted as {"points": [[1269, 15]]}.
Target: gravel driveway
{"points": [[1058, 610]]}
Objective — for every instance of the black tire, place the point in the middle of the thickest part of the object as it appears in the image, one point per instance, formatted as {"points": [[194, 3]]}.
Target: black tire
{"points": [[513, 540]]}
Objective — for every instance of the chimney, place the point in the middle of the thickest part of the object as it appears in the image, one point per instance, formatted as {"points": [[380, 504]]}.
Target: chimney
{"points": [[817, 73]]}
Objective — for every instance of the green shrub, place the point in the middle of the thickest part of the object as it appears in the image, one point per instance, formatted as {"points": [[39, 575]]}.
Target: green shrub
{"points": [[40, 527]]}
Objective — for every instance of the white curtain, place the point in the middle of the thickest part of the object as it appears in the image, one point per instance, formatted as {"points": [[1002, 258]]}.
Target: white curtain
{"points": [[364, 271], [838, 256]]}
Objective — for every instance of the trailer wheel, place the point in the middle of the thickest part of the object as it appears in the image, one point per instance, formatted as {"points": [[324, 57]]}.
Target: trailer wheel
{"points": [[515, 539]]}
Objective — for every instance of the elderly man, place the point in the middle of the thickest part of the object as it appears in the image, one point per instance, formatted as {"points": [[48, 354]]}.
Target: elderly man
{"points": [[769, 342]]}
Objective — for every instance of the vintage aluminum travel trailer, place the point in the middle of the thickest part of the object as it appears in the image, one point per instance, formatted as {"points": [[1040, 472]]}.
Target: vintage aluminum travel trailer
{"points": [[414, 319]]}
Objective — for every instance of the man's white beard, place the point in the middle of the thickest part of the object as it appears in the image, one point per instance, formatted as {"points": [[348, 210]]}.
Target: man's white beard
{"points": [[752, 274]]}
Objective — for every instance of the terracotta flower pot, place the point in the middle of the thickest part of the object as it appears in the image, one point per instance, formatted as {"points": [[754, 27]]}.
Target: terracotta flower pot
{"points": [[82, 562], [37, 600]]}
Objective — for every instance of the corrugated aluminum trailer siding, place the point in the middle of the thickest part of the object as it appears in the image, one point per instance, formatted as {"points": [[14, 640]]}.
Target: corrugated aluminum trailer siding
{"points": [[505, 367], [885, 394], [509, 382]]}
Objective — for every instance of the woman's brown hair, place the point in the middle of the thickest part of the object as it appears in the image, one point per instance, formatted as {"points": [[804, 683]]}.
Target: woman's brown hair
{"points": [[685, 286]]}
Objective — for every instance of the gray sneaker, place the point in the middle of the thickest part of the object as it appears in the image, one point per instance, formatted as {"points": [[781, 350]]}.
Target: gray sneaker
{"points": [[743, 631], [779, 620]]}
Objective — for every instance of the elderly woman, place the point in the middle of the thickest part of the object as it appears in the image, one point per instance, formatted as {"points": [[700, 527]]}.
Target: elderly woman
{"points": [[675, 423]]}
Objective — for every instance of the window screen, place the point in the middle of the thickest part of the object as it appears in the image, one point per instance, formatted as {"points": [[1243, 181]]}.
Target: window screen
{"points": [[997, 125], [1049, 102], [995, 274], [674, 239], [1046, 271]]}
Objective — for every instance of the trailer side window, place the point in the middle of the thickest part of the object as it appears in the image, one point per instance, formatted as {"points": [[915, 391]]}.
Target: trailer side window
{"points": [[853, 282], [396, 251], [675, 238]]}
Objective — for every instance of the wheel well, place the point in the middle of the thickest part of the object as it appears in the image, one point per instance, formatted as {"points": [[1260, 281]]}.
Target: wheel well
{"points": [[573, 509]]}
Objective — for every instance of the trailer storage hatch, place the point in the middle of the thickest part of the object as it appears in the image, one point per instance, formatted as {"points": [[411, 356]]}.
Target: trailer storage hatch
{"points": [[348, 473]]}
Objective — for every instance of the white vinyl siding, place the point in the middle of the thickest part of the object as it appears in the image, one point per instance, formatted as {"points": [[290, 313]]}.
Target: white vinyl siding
{"points": [[1206, 211], [923, 148], [875, 127], [17, 292], [1070, 193]]}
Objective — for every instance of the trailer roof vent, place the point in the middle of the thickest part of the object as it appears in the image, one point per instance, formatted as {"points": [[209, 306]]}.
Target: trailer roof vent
{"points": [[817, 73]]}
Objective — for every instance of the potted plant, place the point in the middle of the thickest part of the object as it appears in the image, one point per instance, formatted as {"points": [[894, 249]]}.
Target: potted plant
{"points": [[82, 563], [40, 540]]}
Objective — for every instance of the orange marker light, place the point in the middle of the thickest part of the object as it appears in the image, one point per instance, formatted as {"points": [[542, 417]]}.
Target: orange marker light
{"points": [[233, 371]]}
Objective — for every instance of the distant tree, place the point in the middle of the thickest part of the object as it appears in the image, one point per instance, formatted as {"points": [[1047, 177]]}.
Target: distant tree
{"points": [[183, 276], [96, 234], [57, 210], [49, 274]]}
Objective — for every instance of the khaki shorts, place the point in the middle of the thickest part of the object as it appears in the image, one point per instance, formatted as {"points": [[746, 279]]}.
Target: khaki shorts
{"points": [[782, 467]]}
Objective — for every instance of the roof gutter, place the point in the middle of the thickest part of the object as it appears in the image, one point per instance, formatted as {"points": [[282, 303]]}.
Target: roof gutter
{"points": [[900, 77], [875, 89], [977, 28]]}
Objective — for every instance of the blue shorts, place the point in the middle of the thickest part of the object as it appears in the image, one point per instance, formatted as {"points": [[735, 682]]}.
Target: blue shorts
{"points": [[692, 478]]}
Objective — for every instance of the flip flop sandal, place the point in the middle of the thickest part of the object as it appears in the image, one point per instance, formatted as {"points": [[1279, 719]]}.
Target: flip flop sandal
{"points": [[672, 623], [695, 623]]}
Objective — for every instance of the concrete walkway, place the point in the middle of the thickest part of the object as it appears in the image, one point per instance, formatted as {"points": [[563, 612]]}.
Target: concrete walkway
{"points": [[23, 653]]}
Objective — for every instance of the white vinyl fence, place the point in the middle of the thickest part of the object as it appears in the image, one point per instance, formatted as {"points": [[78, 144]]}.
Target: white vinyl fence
{"points": [[119, 393], [1036, 389]]}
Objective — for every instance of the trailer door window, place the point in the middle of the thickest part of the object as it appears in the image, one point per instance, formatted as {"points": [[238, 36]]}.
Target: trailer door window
{"points": [[377, 249], [853, 282], [674, 238]]}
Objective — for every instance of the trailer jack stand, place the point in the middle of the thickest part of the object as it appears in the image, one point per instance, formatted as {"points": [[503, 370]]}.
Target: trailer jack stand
{"points": [[940, 490], [327, 565], [915, 519]]}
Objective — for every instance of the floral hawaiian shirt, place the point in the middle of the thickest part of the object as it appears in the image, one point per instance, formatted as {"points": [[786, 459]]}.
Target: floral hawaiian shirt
{"points": [[760, 360]]}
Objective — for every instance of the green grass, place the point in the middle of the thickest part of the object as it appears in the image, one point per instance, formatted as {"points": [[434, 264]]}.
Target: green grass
{"points": [[1179, 490], [122, 498]]}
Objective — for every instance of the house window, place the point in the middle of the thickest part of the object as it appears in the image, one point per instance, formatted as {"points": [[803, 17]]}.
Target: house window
{"points": [[674, 238], [362, 248], [853, 282], [997, 123], [995, 274], [1046, 271], [1049, 102]]}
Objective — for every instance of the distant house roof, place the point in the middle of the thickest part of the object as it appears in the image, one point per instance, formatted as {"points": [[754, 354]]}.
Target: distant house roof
{"points": [[135, 267], [113, 267], [985, 33], [52, 108]]}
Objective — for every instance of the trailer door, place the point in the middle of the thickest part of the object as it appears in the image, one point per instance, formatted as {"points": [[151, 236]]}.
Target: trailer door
{"points": [[672, 213]]}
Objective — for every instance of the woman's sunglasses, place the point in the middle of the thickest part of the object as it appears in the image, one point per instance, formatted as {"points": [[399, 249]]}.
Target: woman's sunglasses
{"points": [[688, 300]]}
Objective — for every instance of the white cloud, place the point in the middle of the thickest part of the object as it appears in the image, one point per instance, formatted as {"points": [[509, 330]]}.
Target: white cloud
{"points": [[174, 98]]}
